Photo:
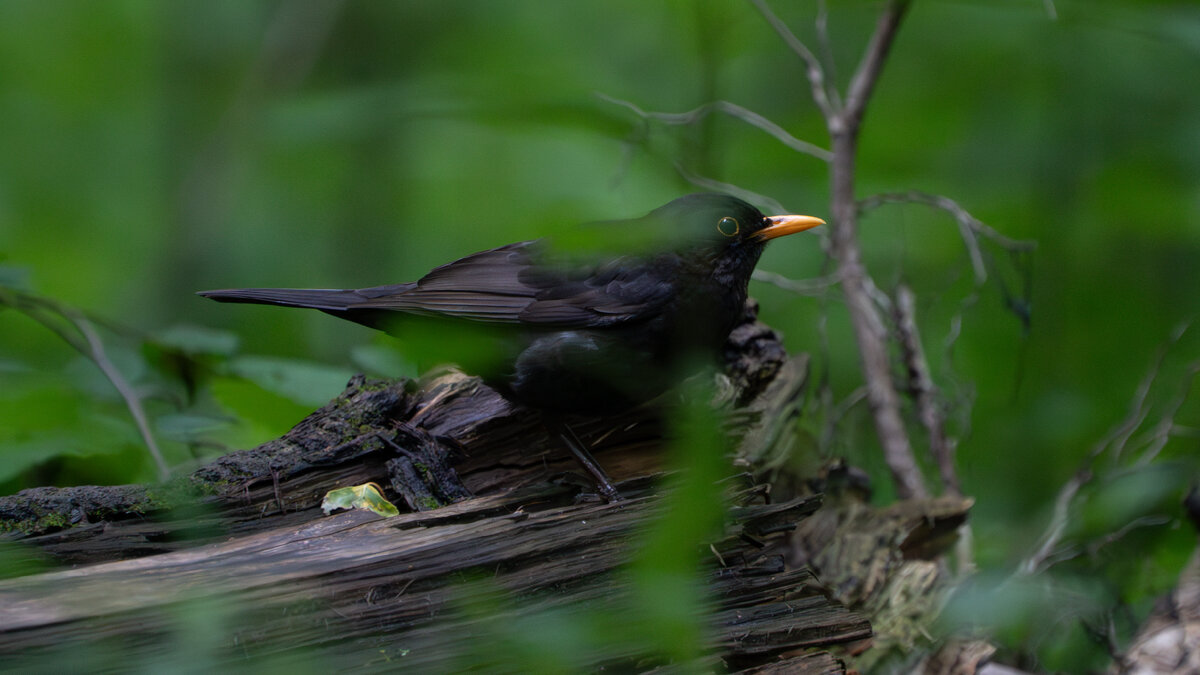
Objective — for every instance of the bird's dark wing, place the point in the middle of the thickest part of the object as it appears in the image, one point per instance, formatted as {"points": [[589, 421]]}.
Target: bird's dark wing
{"points": [[517, 284], [484, 286]]}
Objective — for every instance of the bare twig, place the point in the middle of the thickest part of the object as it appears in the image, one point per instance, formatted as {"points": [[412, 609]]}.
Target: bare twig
{"points": [[1183, 431], [1114, 443], [1094, 547], [733, 110], [867, 73], [88, 343], [132, 401], [856, 285], [822, 24], [729, 188], [809, 287], [1058, 524], [836, 413], [816, 74], [924, 391], [1119, 436], [970, 227], [1161, 433]]}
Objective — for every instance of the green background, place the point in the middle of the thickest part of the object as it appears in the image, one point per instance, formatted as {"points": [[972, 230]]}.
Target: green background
{"points": [[152, 149]]}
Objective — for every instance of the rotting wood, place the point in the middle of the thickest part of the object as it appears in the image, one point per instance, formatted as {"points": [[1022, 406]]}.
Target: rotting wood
{"points": [[336, 588], [354, 591]]}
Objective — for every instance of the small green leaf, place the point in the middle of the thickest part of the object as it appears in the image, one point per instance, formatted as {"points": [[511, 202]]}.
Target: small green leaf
{"points": [[184, 428], [382, 360], [365, 496], [14, 276], [195, 340], [43, 446], [86, 375], [266, 414], [304, 382]]}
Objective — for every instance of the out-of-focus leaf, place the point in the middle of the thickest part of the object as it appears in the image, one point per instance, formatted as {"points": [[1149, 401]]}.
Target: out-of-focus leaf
{"points": [[267, 414], [382, 360], [366, 496], [13, 366], [43, 446], [304, 382], [195, 340], [88, 378], [184, 427], [1129, 496], [14, 276]]}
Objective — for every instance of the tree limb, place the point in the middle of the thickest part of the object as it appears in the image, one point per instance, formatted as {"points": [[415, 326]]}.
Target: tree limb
{"points": [[733, 110], [856, 283], [816, 74], [924, 391]]}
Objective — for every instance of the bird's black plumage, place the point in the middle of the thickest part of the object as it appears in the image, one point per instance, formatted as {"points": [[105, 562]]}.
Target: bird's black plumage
{"points": [[592, 331]]}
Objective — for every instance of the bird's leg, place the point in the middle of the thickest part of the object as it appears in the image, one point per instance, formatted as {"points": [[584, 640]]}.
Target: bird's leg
{"points": [[577, 447]]}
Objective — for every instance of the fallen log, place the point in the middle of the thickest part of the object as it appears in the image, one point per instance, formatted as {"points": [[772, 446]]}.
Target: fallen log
{"points": [[494, 542]]}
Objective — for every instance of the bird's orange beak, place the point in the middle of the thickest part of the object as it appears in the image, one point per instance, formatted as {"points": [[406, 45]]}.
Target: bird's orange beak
{"points": [[784, 225]]}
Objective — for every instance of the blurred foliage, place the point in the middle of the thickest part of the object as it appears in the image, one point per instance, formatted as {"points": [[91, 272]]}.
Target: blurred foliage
{"points": [[156, 149]]}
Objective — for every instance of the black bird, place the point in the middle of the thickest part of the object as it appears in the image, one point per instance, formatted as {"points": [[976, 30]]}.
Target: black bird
{"points": [[581, 329]]}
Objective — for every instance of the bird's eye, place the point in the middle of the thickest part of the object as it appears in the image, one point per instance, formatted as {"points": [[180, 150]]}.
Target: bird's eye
{"points": [[727, 226]]}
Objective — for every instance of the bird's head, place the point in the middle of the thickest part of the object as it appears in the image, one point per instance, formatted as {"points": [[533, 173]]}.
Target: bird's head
{"points": [[724, 221], [711, 230]]}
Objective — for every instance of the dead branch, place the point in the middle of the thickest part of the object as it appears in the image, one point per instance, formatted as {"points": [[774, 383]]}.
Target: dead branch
{"points": [[856, 283], [1113, 444], [53, 315], [924, 391], [970, 227], [733, 110], [815, 73]]}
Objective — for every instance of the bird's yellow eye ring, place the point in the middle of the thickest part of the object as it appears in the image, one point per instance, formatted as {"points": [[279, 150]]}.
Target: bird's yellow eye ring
{"points": [[728, 226]]}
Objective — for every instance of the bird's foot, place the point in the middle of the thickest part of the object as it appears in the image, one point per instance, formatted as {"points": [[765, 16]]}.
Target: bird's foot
{"points": [[590, 492]]}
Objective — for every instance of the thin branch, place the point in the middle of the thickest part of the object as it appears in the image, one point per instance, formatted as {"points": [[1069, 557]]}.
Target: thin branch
{"points": [[1058, 524], [956, 326], [733, 110], [45, 311], [1094, 547], [1138, 411], [822, 24], [867, 74], [969, 227], [132, 401], [729, 188], [837, 412], [816, 74], [1182, 431], [1113, 442], [924, 391], [860, 291], [810, 287], [1162, 431]]}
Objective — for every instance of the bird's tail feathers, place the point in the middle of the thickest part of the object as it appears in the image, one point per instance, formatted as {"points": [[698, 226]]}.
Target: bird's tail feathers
{"points": [[312, 298]]}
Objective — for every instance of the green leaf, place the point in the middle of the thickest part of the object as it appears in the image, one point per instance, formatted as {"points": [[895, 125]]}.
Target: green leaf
{"points": [[366, 496], [382, 360], [14, 276], [304, 382], [88, 378], [195, 340], [268, 414], [184, 427], [43, 446]]}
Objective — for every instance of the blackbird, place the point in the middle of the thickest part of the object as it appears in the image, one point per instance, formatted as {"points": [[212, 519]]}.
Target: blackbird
{"points": [[592, 329]]}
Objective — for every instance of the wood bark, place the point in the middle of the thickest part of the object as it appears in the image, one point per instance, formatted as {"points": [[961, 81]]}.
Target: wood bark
{"points": [[244, 537]]}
